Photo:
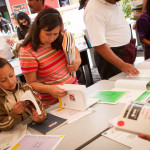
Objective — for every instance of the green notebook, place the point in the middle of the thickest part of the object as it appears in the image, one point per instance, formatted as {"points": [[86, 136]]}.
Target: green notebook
{"points": [[110, 97]]}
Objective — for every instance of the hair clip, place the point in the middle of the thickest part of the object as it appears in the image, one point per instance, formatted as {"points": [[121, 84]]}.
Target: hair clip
{"points": [[48, 15]]}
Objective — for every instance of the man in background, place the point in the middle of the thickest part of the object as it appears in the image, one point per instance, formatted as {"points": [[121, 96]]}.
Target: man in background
{"points": [[109, 33], [37, 5], [4, 24]]}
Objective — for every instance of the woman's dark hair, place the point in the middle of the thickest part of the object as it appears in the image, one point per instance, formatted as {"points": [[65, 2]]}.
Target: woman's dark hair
{"points": [[148, 7], [4, 62], [23, 15], [49, 18]]}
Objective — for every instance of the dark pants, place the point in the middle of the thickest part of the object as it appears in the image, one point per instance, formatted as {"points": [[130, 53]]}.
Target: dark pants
{"points": [[146, 52], [106, 69]]}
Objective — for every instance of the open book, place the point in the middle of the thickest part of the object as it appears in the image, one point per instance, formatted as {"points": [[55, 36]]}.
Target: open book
{"points": [[136, 90], [135, 118], [108, 97], [28, 96], [76, 97]]}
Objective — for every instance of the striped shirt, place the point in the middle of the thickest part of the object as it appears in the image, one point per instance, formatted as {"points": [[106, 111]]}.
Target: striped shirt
{"points": [[50, 66]]}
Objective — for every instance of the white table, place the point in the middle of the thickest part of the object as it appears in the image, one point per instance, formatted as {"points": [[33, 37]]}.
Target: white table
{"points": [[103, 143], [88, 127]]}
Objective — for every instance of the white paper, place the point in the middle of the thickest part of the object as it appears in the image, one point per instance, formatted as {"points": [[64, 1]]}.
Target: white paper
{"points": [[127, 139], [143, 65], [8, 138], [70, 114], [38, 142], [5, 47], [131, 84], [144, 73]]}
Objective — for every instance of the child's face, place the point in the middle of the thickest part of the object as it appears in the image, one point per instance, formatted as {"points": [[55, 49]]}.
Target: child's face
{"points": [[8, 79]]}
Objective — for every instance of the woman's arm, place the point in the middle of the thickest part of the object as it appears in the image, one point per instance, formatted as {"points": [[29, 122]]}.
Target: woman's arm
{"points": [[145, 41], [53, 90]]}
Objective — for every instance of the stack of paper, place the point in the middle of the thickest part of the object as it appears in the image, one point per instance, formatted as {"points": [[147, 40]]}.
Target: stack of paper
{"points": [[136, 8], [69, 48]]}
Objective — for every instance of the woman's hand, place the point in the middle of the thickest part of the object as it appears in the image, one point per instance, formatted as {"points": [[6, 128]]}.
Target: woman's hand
{"points": [[37, 118], [10, 41], [56, 91], [74, 66], [19, 107]]}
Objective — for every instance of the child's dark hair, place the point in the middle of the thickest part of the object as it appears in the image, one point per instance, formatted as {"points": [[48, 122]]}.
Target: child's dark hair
{"points": [[148, 7], [4, 62]]}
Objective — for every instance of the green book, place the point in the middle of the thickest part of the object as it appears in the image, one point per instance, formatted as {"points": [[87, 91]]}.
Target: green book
{"points": [[110, 97], [143, 97]]}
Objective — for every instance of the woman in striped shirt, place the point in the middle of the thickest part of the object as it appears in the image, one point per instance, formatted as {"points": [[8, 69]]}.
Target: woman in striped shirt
{"points": [[43, 61]]}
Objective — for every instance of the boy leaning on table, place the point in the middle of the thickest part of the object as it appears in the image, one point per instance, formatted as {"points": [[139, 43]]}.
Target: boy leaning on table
{"points": [[12, 110]]}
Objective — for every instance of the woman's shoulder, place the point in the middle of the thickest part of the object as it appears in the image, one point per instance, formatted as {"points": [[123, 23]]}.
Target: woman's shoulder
{"points": [[28, 47]]}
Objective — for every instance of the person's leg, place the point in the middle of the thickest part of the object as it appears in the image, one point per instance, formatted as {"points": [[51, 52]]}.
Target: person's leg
{"points": [[147, 52]]}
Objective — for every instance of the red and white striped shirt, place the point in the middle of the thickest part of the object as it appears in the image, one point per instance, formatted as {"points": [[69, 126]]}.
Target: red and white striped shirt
{"points": [[51, 67]]}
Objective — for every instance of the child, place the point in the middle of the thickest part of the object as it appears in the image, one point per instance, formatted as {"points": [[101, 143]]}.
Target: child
{"points": [[12, 110], [143, 28]]}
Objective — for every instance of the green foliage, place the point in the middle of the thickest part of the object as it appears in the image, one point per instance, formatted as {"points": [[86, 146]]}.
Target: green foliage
{"points": [[126, 7]]}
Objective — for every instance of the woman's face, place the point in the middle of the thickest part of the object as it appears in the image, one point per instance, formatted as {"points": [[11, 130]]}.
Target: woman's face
{"points": [[48, 37], [24, 22]]}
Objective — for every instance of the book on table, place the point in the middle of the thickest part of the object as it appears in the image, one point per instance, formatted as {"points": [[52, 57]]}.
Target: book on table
{"points": [[135, 118], [76, 97], [123, 92], [38, 142], [137, 90], [108, 97], [50, 124]]}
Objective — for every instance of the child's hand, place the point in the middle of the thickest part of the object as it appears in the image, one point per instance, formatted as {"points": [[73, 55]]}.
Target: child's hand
{"points": [[37, 118], [19, 107]]}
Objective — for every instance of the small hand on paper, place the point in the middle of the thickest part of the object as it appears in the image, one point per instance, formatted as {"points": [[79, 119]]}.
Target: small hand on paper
{"points": [[74, 66], [129, 69], [19, 107], [37, 118], [56, 91], [144, 136]]}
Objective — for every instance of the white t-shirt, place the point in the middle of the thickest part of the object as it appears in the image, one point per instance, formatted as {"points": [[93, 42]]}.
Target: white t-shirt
{"points": [[106, 23]]}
